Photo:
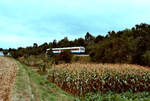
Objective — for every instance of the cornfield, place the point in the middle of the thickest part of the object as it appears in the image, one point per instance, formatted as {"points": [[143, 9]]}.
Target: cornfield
{"points": [[80, 79]]}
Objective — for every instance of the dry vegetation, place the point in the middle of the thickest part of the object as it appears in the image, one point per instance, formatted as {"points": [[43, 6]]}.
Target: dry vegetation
{"points": [[8, 69], [19, 83], [89, 67], [80, 79]]}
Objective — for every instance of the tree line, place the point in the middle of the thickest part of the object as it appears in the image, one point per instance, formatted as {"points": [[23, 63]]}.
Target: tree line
{"points": [[126, 46]]}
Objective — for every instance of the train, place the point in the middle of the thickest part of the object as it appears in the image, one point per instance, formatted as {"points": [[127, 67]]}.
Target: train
{"points": [[74, 50]]}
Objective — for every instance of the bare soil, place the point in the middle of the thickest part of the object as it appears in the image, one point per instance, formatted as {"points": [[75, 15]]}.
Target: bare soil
{"points": [[8, 70]]}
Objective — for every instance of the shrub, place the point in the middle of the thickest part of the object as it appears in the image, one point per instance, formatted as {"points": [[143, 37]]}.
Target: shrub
{"points": [[65, 56], [1, 49], [50, 53], [5, 52], [146, 58]]}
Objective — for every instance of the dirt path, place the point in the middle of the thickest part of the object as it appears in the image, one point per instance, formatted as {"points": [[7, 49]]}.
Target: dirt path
{"points": [[19, 83], [8, 69]]}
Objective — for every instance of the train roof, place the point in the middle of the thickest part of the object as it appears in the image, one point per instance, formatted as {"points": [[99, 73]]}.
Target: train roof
{"points": [[68, 47]]}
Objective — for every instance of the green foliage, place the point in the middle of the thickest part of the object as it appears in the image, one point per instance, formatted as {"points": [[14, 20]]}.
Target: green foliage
{"points": [[75, 58], [111, 51], [31, 86], [98, 38], [50, 53], [64, 42], [5, 52], [146, 58], [81, 59], [127, 46], [28, 51], [65, 56], [127, 96], [1, 49], [29, 81]]}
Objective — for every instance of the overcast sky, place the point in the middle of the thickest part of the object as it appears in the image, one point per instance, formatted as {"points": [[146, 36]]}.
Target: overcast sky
{"points": [[24, 22]]}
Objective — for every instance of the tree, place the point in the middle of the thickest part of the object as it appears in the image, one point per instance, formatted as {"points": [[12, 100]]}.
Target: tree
{"points": [[14, 53], [35, 45], [42, 48], [146, 58], [127, 46], [50, 53], [5, 52], [98, 38], [111, 35], [79, 42], [64, 43], [88, 37], [54, 44], [1, 49], [65, 56]]}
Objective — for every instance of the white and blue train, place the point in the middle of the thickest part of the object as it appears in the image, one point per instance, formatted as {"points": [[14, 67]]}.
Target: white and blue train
{"points": [[74, 50]]}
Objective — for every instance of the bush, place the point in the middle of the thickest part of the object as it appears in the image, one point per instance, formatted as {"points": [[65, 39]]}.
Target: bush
{"points": [[5, 52], [146, 58], [65, 56], [81, 59], [50, 53], [1, 49]]}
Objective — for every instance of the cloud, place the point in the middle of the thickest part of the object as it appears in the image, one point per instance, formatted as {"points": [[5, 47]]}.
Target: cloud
{"points": [[29, 21]]}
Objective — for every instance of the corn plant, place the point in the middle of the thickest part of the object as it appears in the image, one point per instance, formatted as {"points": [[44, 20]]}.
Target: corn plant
{"points": [[80, 79]]}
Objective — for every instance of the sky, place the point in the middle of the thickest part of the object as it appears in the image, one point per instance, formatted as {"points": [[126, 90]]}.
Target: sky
{"points": [[24, 22]]}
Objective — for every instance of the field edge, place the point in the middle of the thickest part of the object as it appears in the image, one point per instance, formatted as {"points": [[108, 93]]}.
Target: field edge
{"points": [[31, 86]]}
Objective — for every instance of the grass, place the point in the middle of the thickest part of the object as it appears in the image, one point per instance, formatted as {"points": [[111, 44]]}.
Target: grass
{"points": [[126, 96], [31, 86]]}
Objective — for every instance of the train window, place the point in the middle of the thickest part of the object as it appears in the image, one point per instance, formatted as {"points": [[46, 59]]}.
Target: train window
{"points": [[75, 49], [82, 48]]}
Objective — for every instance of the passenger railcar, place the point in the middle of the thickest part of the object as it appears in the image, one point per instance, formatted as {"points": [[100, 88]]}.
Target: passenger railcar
{"points": [[75, 50]]}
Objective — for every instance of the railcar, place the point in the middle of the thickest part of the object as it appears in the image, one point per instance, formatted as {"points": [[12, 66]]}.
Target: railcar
{"points": [[74, 50]]}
